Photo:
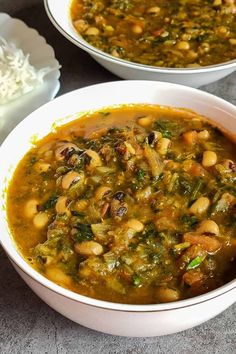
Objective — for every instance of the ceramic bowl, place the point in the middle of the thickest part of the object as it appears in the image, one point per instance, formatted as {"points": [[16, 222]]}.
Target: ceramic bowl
{"points": [[41, 55], [59, 13], [113, 318]]}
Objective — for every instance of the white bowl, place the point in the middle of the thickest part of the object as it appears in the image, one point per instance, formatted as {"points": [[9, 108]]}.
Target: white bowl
{"points": [[41, 55], [114, 318], [59, 13]]}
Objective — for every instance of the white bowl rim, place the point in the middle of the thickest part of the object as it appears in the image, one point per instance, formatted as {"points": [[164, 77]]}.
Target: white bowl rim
{"points": [[156, 69], [15, 256]]}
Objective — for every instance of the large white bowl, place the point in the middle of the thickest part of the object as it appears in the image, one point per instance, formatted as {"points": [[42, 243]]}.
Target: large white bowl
{"points": [[114, 318], [59, 13]]}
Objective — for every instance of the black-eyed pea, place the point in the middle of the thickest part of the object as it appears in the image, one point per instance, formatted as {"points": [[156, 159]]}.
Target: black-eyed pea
{"points": [[163, 145], [40, 220], [64, 149], [200, 206], [145, 121], [153, 137], [135, 224], [115, 53], [229, 165], [183, 45], [92, 31], [95, 158], [70, 178], [42, 167], [88, 248], [154, 10], [62, 205], [208, 226], [209, 158], [101, 192], [203, 134], [81, 204], [80, 25], [165, 294], [31, 208]]}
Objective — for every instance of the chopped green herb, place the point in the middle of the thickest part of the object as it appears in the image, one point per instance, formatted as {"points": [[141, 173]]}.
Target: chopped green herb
{"points": [[195, 263], [50, 203], [189, 221], [167, 128], [33, 159], [84, 232], [197, 188], [181, 246], [173, 182], [136, 280], [185, 185], [140, 174], [150, 230]]}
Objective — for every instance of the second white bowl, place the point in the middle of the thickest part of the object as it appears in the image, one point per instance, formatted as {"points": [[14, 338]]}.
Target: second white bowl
{"points": [[59, 13]]}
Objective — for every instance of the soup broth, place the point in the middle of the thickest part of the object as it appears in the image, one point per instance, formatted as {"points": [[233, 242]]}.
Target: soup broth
{"points": [[176, 33], [132, 204]]}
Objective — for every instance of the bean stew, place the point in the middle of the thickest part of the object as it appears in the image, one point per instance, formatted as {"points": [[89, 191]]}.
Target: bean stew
{"points": [[164, 33], [132, 204]]}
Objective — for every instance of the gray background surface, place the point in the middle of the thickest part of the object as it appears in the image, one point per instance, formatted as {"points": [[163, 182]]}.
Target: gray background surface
{"points": [[27, 325]]}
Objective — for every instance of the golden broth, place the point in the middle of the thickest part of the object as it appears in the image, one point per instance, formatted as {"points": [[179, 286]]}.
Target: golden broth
{"points": [[133, 204]]}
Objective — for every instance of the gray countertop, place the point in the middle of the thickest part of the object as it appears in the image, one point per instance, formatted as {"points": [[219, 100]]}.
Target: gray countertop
{"points": [[27, 325]]}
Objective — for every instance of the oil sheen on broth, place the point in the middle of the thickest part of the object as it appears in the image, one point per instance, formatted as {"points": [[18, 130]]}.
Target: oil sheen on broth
{"points": [[133, 204]]}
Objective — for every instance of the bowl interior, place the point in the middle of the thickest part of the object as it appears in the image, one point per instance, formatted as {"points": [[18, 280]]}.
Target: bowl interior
{"points": [[66, 108]]}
